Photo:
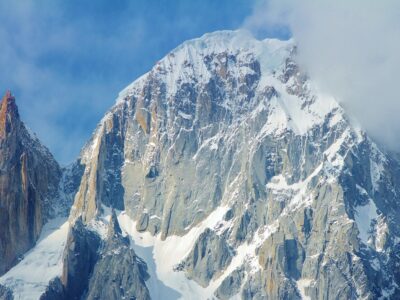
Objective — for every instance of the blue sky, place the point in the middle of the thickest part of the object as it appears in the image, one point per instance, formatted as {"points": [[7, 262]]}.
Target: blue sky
{"points": [[66, 61]]}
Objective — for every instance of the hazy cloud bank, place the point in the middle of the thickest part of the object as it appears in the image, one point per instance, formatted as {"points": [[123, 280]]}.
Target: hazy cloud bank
{"points": [[351, 48]]}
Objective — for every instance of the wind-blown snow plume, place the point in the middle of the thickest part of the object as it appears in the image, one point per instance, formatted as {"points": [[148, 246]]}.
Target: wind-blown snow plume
{"points": [[351, 48]]}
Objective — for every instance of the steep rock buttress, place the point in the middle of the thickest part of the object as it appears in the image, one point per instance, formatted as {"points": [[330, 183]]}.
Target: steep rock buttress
{"points": [[29, 178]]}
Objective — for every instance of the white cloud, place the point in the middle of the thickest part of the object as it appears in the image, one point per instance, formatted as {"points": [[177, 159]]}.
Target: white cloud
{"points": [[352, 49]]}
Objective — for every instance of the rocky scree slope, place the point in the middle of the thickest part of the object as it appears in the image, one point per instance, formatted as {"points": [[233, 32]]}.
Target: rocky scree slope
{"points": [[226, 148]]}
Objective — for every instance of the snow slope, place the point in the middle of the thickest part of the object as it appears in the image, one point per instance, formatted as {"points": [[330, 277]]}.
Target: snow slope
{"points": [[30, 277]]}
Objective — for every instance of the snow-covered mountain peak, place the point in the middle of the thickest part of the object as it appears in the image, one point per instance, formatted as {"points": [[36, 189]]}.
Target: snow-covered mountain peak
{"points": [[242, 62], [226, 78], [190, 60], [232, 176], [232, 42]]}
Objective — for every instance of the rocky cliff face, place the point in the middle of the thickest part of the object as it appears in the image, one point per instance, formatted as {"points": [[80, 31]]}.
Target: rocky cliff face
{"points": [[99, 269], [29, 180], [232, 176], [119, 273]]}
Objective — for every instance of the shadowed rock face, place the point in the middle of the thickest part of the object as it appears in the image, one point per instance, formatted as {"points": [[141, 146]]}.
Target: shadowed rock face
{"points": [[29, 178], [96, 269], [80, 256], [55, 290], [5, 293], [119, 273]]}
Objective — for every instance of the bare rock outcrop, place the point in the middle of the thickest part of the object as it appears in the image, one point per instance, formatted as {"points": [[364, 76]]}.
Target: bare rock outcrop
{"points": [[29, 179]]}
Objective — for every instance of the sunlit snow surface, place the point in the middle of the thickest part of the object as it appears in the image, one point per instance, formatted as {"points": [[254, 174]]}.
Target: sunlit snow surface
{"points": [[301, 285], [162, 256], [30, 277], [364, 216]]}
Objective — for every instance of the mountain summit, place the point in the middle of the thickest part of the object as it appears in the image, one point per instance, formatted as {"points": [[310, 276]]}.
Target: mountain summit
{"points": [[232, 176], [29, 178], [8, 114]]}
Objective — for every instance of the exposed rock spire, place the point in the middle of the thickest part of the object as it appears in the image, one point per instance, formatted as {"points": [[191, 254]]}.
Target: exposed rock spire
{"points": [[8, 114], [113, 226], [28, 176]]}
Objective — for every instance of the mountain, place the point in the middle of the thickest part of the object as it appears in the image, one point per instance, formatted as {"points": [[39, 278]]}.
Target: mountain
{"points": [[29, 179], [224, 172]]}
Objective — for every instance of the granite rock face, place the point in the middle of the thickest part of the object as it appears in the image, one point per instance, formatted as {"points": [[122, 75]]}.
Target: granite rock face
{"points": [[80, 256], [99, 269], [231, 285], [29, 181], [210, 255], [119, 273]]}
